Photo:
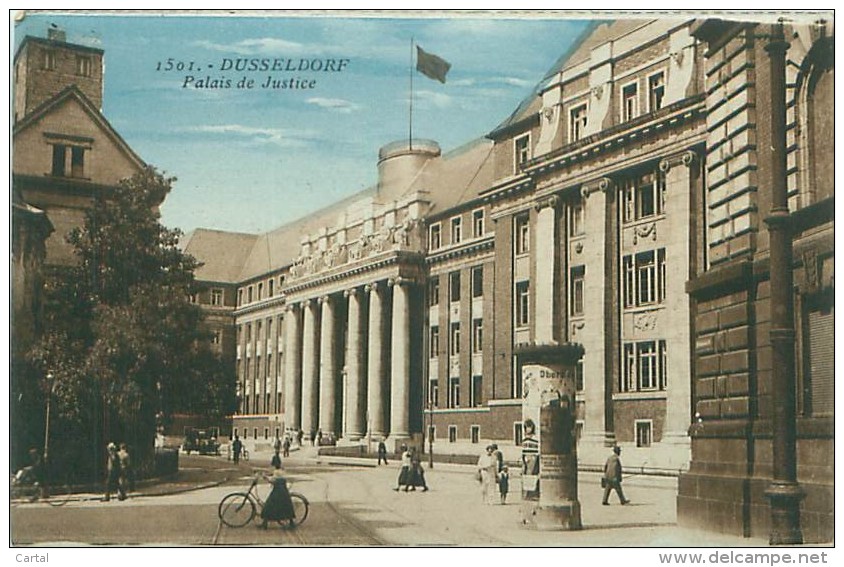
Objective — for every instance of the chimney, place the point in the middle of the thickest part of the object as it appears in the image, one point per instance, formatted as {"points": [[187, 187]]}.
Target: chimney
{"points": [[56, 34]]}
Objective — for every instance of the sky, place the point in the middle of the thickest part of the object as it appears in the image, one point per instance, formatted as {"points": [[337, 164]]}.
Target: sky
{"points": [[253, 159]]}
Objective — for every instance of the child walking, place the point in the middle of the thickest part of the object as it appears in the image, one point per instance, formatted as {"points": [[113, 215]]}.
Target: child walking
{"points": [[504, 483]]}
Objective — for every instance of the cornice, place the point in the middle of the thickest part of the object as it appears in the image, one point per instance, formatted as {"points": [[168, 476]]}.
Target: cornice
{"points": [[480, 245], [398, 257]]}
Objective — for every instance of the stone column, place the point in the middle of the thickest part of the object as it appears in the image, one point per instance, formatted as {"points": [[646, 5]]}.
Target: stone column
{"points": [[376, 409], [548, 373], [310, 369], [293, 368], [355, 400], [545, 254], [597, 426], [327, 369], [678, 189], [400, 361]]}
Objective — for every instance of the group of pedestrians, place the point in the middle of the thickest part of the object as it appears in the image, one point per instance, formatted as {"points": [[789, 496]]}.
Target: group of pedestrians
{"points": [[120, 477], [491, 472], [411, 474]]}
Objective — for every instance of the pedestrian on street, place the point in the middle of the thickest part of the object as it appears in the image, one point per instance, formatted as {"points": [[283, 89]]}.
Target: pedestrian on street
{"points": [[112, 473], [417, 473], [612, 477], [127, 475], [285, 446], [319, 438], [499, 456], [277, 444], [237, 447], [276, 460], [488, 469], [404, 473], [504, 483], [299, 435], [382, 451]]}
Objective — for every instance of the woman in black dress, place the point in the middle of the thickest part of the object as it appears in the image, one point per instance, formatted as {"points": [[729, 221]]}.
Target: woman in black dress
{"points": [[279, 506]]}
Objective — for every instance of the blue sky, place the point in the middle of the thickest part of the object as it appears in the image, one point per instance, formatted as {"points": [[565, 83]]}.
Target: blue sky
{"points": [[252, 160]]}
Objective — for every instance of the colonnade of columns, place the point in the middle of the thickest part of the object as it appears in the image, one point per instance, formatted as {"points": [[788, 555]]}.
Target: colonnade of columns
{"points": [[373, 381]]}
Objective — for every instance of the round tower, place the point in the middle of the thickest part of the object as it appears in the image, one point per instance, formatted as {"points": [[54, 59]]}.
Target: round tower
{"points": [[399, 165]]}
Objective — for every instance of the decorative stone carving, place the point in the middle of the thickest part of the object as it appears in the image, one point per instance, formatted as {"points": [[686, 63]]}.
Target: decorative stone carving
{"points": [[578, 247], [603, 184], [683, 158], [644, 321], [598, 91], [810, 270], [677, 57], [643, 231], [551, 201]]}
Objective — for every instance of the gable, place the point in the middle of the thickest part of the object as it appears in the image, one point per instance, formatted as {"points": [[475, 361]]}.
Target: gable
{"points": [[69, 120]]}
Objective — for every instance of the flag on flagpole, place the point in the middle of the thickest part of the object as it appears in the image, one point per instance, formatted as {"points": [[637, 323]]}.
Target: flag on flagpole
{"points": [[431, 66]]}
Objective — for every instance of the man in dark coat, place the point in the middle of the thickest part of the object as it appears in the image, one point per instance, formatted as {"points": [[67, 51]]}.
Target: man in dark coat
{"points": [[237, 447], [612, 477], [382, 452]]}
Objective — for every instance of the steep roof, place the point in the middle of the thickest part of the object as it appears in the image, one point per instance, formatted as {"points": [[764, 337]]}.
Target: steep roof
{"points": [[458, 176], [222, 253], [73, 93], [279, 247], [595, 34]]}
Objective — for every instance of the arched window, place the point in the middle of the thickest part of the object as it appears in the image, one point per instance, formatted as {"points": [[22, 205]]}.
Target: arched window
{"points": [[817, 124]]}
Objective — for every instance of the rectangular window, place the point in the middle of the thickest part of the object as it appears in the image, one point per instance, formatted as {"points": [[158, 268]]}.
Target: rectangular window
{"points": [[522, 234], [260, 291], [433, 291], [454, 392], [48, 62], [477, 391], [518, 436], [644, 432], [249, 294], [454, 286], [452, 433], [454, 339], [77, 161], [629, 102], [644, 278], [477, 335], [646, 274], [576, 227], [240, 297], [645, 367], [255, 429], [478, 223], [577, 123], [522, 304], [434, 343], [248, 332], [83, 66], [435, 236], [578, 376], [216, 337], [216, 296], [644, 196], [266, 433], [475, 433], [578, 275], [59, 152], [522, 152], [478, 281], [271, 287], [656, 91], [456, 230], [433, 393]]}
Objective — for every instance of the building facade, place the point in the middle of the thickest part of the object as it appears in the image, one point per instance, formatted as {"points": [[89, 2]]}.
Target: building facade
{"points": [[621, 206]]}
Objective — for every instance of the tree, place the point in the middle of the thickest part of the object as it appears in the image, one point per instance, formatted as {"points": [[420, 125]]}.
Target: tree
{"points": [[122, 334]]}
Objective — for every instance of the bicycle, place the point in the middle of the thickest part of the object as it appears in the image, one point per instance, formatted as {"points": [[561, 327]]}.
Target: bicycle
{"points": [[239, 508], [22, 491]]}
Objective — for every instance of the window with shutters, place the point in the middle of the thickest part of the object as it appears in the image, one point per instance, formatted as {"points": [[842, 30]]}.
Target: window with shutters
{"points": [[818, 355]]}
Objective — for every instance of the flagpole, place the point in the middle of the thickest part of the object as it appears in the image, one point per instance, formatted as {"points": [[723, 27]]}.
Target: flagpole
{"points": [[410, 114]]}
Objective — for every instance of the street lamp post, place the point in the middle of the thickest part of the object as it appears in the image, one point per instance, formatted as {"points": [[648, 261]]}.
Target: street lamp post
{"points": [[51, 384], [430, 430]]}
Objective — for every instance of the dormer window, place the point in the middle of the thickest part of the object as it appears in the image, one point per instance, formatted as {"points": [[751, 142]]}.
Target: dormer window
{"points": [[522, 152], [62, 167], [577, 123], [656, 91], [434, 236]]}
